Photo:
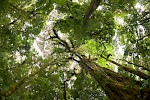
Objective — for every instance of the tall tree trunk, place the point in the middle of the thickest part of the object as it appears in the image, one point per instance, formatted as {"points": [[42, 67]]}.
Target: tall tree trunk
{"points": [[115, 86]]}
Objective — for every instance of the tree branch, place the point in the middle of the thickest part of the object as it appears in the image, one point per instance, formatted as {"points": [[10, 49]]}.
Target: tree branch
{"points": [[144, 68], [62, 42], [93, 5], [139, 73]]}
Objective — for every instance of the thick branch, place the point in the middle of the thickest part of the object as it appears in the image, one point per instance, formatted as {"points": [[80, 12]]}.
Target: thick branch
{"points": [[115, 90], [144, 68], [139, 73], [93, 5], [62, 42]]}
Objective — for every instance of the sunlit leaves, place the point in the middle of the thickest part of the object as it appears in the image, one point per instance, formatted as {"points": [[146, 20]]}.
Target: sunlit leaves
{"points": [[21, 21], [18, 25], [102, 62], [91, 47]]}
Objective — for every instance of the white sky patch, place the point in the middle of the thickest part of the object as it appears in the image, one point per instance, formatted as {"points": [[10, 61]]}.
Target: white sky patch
{"points": [[81, 2], [118, 49], [119, 52], [119, 20], [27, 24], [37, 48], [73, 65], [19, 58], [41, 44], [75, 1], [139, 7], [99, 8], [115, 36], [73, 78], [32, 2], [121, 49], [30, 71], [141, 30], [62, 36]]}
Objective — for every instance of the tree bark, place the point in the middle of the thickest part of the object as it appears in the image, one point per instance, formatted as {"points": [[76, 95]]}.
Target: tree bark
{"points": [[115, 86], [93, 5], [139, 73]]}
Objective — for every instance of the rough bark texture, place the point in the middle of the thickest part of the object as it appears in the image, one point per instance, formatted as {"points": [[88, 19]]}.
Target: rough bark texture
{"points": [[115, 86], [139, 73]]}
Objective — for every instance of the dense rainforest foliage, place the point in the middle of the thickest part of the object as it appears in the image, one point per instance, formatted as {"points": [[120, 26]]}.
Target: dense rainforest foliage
{"points": [[74, 50]]}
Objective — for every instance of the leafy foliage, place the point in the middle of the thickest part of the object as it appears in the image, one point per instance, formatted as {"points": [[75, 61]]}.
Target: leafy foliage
{"points": [[79, 65]]}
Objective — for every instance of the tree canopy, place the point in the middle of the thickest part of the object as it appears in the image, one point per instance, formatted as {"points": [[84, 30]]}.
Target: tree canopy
{"points": [[74, 49]]}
